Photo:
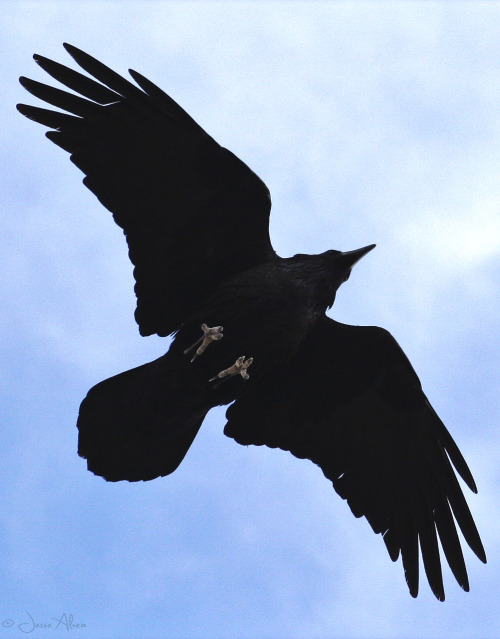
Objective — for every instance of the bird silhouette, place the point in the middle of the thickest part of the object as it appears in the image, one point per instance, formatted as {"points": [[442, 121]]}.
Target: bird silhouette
{"points": [[250, 328]]}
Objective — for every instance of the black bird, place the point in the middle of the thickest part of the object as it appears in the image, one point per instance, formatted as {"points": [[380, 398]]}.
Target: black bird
{"points": [[248, 326]]}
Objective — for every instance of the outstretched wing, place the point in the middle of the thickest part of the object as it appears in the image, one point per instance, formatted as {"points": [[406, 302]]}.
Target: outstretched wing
{"points": [[192, 212], [351, 402]]}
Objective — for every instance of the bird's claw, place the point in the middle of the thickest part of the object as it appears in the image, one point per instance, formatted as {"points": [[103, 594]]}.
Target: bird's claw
{"points": [[238, 368], [210, 335]]}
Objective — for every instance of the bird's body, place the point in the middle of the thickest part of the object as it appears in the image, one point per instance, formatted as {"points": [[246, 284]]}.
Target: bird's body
{"points": [[265, 311], [250, 328]]}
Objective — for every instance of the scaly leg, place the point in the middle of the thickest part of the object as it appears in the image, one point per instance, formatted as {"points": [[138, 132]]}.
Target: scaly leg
{"points": [[238, 368], [210, 335]]}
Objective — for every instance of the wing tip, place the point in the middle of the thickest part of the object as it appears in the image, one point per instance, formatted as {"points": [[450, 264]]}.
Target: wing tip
{"points": [[28, 112], [481, 554], [466, 475], [136, 76], [412, 585], [73, 51], [40, 59], [437, 589]]}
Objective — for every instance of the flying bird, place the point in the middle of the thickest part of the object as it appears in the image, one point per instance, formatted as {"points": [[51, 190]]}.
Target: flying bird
{"points": [[249, 328]]}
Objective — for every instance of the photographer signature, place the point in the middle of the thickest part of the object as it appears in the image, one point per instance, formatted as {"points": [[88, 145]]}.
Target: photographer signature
{"points": [[63, 622]]}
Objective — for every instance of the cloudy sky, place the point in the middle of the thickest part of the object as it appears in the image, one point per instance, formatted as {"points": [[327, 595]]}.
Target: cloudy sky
{"points": [[370, 122]]}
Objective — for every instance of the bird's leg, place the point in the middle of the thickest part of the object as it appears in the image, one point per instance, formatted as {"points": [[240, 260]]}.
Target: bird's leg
{"points": [[209, 335], [238, 368]]}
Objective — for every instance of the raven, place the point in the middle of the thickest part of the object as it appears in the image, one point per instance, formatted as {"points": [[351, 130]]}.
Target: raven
{"points": [[250, 328]]}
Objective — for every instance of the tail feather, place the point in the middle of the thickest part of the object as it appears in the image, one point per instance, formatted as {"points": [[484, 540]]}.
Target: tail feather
{"points": [[139, 424]]}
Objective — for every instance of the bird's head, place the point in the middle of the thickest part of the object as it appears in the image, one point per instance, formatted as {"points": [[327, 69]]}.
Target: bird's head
{"points": [[342, 262], [338, 269], [323, 274], [340, 266]]}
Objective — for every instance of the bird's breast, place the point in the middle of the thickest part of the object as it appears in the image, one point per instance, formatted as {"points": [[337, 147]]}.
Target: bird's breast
{"points": [[263, 321]]}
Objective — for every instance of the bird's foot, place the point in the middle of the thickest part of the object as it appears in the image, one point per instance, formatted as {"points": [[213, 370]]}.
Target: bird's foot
{"points": [[238, 368], [210, 335]]}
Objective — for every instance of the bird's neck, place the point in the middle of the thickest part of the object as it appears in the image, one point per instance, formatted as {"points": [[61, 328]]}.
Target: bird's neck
{"points": [[314, 282]]}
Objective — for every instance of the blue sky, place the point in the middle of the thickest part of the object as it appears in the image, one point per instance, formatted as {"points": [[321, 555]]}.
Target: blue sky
{"points": [[370, 122]]}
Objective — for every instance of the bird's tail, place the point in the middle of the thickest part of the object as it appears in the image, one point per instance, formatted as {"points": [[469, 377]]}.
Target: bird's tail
{"points": [[139, 424]]}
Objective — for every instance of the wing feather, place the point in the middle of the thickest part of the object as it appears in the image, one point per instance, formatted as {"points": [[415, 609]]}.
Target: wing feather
{"points": [[351, 402], [193, 213]]}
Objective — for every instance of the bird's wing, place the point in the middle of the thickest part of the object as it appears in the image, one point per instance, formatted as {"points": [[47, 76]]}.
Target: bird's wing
{"points": [[351, 402], [192, 212]]}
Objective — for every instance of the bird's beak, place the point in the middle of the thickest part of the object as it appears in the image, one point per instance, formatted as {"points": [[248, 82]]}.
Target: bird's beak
{"points": [[349, 258]]}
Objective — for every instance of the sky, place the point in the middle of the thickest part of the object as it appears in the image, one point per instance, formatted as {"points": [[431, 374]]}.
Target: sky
{"points": [[371, 122]]}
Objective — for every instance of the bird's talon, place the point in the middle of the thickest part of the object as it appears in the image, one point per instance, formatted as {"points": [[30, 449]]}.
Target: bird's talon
{"points": [[238, 368], [210, 334]]}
